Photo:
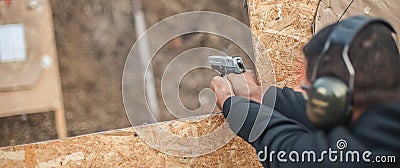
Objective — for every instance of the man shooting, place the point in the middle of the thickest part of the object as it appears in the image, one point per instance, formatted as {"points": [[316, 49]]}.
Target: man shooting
{"points": [[353, 90]]}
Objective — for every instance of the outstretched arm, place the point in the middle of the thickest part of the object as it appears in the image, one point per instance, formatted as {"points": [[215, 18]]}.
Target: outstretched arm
{"points": [[287, 101]]}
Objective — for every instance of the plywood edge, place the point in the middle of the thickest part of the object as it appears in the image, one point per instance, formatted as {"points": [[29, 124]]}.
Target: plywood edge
{"points": [[127, 148]]}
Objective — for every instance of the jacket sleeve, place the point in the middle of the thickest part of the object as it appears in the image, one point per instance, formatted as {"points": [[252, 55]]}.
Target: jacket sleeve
{"points": [[289, 103], [268, 130]]}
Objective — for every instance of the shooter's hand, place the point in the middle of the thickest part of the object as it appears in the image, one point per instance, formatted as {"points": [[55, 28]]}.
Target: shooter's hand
{"points": [[245, 85], [222, 89]]}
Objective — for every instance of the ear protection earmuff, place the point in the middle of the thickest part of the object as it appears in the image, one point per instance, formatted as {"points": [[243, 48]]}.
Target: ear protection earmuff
{"points": [[330, 98]]}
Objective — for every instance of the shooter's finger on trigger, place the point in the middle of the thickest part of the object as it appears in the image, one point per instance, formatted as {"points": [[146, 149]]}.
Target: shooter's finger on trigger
{"points": [[229, 84], [235, 77], [251, 76], [218, 80], [250, 72]]}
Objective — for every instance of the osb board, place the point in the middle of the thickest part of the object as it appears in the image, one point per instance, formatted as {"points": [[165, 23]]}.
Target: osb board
{"points": [[281, 28], [44, 94], [330, 11], [124, 148]]}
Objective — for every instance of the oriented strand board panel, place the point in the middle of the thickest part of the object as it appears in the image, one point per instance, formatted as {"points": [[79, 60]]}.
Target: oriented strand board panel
{"points": [[281, 28], [125, 148]]}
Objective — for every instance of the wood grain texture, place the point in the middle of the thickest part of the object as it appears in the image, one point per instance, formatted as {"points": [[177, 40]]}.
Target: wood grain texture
{"points": [[281, 28], [125, 148]]}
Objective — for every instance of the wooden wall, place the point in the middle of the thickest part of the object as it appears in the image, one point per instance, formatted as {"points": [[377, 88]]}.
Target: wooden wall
{"points": [[281, 28]]}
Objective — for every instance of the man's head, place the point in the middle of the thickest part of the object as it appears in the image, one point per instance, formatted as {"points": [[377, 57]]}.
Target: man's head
{"points": [[375, 58]]}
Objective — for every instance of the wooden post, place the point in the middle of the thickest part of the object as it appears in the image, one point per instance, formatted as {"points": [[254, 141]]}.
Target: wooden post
{"points": [[32, 85]]}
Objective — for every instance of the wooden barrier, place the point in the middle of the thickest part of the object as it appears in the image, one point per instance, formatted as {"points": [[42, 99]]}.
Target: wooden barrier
{"points": [[125, 148]]}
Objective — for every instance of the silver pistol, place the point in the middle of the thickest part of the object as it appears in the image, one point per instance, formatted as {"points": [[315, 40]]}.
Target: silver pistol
{"points": [[227, 64]]}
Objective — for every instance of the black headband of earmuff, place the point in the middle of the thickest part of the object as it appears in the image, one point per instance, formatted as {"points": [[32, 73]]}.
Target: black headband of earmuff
{"points": [[343, 35]]}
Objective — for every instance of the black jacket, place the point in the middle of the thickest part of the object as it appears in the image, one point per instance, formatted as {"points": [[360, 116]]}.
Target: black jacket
{"points": [[281, 124]]}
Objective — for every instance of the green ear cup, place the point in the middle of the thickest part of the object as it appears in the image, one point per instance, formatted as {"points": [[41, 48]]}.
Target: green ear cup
{"points": [[328, 104]]}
